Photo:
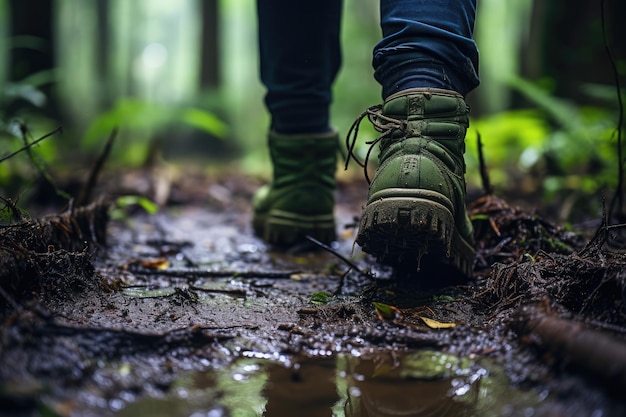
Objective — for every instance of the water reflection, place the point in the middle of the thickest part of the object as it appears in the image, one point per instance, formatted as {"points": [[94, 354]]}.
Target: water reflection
{"points": [[422, 383], [305, 389], [384, 389]]}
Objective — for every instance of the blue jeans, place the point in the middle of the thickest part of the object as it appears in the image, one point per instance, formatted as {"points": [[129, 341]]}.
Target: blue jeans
{"points": [[426, 43]]}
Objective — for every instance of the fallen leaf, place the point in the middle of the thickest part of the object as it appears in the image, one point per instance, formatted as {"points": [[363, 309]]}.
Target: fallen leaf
{"points": [[301, 276], [434, 324], [386, 311], [320, 298], [157, 263], [347, 233]]}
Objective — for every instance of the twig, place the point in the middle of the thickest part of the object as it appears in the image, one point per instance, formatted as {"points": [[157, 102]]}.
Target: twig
{"points": [[348, 262], [600, 233], [484, 175], [235, 291], [203, 273], [40, 164], [16, 215], [337, 254], [607, 326], [342, 282], [618, 197], [123, 341], [85, 193], [31, 144]]}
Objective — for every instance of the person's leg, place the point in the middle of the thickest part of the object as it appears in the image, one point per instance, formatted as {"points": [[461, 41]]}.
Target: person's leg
{"points": [[299, 60], [415, 214], [427, 43]]}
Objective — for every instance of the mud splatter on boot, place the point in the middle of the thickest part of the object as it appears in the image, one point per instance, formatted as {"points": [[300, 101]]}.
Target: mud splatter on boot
{"points": [[415, 212]]}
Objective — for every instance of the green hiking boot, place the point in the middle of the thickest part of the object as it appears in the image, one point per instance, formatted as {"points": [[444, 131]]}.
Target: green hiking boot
{"points": [[299, 201], [416, 200]]}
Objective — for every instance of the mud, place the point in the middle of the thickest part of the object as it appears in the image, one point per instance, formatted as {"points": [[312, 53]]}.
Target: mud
{"points": [[187, 313]]}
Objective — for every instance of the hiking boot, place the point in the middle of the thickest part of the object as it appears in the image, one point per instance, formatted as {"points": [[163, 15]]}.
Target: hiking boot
{"points": [[416, 200], [299, 201]]}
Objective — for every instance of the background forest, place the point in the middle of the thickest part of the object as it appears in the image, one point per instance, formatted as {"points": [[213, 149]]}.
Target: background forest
{"points": [[179, 77]]}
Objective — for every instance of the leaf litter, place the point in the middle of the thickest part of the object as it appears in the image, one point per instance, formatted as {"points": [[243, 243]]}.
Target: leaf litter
{"points": [[539, 297]]}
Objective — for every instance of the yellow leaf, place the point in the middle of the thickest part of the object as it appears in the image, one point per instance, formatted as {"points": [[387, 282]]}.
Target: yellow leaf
{"points": [[157, 263], [347, 233], [434, 324]]}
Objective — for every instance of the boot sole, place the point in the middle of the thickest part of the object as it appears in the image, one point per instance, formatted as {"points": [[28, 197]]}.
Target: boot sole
{"points": [[400, 230], [279, 227]]}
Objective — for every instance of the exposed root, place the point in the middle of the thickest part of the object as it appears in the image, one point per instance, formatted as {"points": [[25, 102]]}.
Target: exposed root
{"points": [[574, 345], [506, 234], [50, 254], [550, 295]]}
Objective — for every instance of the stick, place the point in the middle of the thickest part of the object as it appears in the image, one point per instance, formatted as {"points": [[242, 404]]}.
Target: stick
{"points": [[618, 197], [484, 175], [85, 193], [203, 273], [33, 143], [337, 254]]}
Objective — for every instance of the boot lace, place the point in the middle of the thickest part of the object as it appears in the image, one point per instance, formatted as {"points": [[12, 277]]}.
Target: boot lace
{"points": [[384, 124]]}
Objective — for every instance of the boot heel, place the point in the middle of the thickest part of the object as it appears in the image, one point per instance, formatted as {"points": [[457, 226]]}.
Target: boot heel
{"points": [[397, 229], [416, 199]]}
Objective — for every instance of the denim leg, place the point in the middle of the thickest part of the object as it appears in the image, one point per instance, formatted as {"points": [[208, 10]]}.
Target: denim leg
{"points": [[427, 43], [299, 58]]}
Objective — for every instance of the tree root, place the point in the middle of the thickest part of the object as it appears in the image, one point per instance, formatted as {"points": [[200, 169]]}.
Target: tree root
{"points": [[576, 346], [50, 253]]}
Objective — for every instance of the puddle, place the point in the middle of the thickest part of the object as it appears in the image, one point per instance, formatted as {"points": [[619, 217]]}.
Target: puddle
{"points": [[421, 383]]}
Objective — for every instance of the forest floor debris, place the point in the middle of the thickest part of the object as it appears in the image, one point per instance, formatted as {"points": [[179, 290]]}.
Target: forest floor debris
{"points": [[99, 317]]}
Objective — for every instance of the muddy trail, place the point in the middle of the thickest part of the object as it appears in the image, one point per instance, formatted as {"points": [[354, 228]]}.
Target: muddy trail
{"points": [[187, 313]]}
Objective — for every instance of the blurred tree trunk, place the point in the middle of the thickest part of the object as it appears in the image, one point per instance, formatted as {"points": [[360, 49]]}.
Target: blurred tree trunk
{"points": [[209, 71], [501, 30], [5, 22], [30, 48], [116, 49], [566, 44], [31, 18], [102, 50], [558, 43]]}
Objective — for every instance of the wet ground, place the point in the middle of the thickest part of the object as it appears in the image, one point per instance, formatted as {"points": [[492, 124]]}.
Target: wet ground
{"points": [[186, 313]]}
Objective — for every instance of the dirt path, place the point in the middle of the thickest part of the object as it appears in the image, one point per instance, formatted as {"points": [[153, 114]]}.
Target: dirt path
{"points": [[187, 312]]}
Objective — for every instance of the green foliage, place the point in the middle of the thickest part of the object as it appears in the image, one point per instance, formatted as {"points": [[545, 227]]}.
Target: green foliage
{"points": [[27, 159], [143, 118], [320, 298], [21, 112], [559, 145], [385, 310], [506, 136], [119, 211], [11, 213]]}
